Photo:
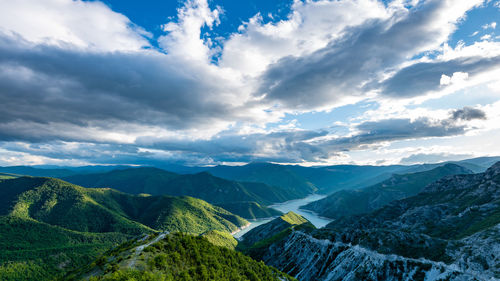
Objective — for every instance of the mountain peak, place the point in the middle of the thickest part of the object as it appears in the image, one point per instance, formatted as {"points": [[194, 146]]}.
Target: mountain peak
{"points": [[494, 170], [456, 167]]}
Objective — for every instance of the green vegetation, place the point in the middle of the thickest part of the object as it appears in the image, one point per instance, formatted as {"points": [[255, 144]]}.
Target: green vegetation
{"points": [[48, 226], [293, 218], [31, 250], [246, 199], [280, 176], [176, 257], [7, 176], [134, 181], [56, 202], [257, 241], [350, 202], [250, 210], [220, 238]]}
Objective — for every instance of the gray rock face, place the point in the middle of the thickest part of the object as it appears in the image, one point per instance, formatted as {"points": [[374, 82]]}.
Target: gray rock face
{"points": [[309, 259], [449, 231]]}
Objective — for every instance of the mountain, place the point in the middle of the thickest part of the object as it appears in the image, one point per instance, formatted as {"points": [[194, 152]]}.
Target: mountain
{"points": [[220, 238], [307, 180], [48, 225], [175, 257], [59, 171], [133, 180], [37, 172], [332, 178], [56, 202], [271, 174], [250, 210], [448, 231], [453, 207], [203, 185], [4, 176], [256, 241], [298, 180], [329, 179], [350, 202], [479, 164], [32, 250]]}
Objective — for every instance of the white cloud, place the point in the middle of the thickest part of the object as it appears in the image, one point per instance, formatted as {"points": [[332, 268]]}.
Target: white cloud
{"points": [[457, 77], [88, 25], [77, 72], [486, 37], [183, 37], [492, 25], [310, 26], [350, 68]]}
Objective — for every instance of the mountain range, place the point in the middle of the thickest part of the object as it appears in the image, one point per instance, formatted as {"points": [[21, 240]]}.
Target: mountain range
{"points": [[48, 225], [247, 199], [448, 231], [398, 186], [296, 179], [421, 222]]}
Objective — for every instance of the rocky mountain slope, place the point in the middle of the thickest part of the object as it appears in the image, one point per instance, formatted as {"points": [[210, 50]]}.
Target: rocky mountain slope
{"points": [[449, 231], [365, 200]]}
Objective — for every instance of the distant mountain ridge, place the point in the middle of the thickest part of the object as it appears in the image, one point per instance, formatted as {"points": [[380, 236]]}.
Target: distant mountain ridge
{"points": [[368, 199], [202, 185], [328, 179], [306, 180], [271, 174]]}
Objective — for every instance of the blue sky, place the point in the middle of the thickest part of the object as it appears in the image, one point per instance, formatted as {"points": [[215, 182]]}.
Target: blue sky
{"points": [[200, 82], [151, 14]]}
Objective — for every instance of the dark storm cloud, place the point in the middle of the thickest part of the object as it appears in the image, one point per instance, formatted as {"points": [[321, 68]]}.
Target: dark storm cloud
{"points": [[374, 132], [285, 146], [44, 85], [52, 97], [352, 65], [468, 113], [298, 146], [386, 130], [421, 78], [292, 146]]}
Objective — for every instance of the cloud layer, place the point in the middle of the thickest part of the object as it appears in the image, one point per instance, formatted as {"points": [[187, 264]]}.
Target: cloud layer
{"points": [[81, 75]]}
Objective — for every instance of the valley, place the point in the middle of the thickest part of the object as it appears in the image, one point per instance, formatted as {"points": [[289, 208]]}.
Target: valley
{"points": [[258, 140], [291, 206], [440, 222], [448, 231]]}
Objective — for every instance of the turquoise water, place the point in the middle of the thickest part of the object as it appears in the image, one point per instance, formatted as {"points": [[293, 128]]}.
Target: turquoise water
{"points": [[292, 205]]}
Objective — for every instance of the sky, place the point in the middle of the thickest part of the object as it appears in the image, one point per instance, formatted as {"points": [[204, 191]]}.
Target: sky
{"points": [[208, 82]]}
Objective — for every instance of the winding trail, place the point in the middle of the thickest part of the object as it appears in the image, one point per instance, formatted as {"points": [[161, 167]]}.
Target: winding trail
{"points": [[139, 249]]}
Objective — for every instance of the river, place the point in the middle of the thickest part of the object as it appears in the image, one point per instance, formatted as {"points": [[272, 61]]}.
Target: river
{"points": [[292, 205]]}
